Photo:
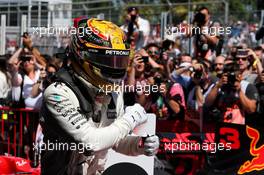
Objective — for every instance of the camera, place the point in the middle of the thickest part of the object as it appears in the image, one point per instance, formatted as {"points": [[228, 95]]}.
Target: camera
{"points": [[25, 58], [145, 59], [133, 18], [231, 71], [199, 19], [158, 80], [198, 74], [171, 55], [231, 76]]}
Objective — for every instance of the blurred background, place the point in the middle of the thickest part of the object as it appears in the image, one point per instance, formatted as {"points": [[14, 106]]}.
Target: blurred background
{"points": [[44, 13]]}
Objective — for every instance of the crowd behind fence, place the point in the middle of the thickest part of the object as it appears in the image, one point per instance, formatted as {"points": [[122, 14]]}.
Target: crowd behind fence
{"points": [[229, 67]]}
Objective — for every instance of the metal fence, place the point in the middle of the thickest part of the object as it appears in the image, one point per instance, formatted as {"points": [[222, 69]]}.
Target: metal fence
{"points": [[43, 14], [18, 128]]}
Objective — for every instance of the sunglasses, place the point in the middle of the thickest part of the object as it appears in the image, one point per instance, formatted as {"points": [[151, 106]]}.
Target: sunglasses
{"points": [[244, 58], [218, 64], [156, 52]]}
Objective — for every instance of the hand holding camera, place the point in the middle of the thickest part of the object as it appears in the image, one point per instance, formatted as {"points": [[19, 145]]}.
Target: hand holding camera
{"points": [[230, 81], [137, 59], [197, 70], [27, 42]]}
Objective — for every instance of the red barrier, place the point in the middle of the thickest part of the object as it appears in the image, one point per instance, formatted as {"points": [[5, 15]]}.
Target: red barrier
{"points": [[16, 165], [182, 163], [18, 130]]}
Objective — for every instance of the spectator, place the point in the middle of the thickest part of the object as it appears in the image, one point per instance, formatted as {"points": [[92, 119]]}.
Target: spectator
{"points": [[246, 59], [153, 51], [204, 43], [218, 65], [136, 77], [202, 84], [53, 66], [154, 58], [32, 74], [169, 53], [234, 97], [136, 28], [182, 74], [13, 67], [5, 82], [169, 102], [31, 63], [259, 53]]}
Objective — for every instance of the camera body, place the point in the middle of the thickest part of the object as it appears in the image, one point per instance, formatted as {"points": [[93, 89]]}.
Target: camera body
{"points": [[198, 74], [25, 58], [133, 18], [231, 70], [231, 78], [199, 19]]}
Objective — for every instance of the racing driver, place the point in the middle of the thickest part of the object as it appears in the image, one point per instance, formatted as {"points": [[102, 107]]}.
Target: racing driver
{"points": [[77, 111]]}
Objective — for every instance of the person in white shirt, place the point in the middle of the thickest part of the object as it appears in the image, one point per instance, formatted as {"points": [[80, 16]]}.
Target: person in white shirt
{"points": [[5, 82], [136, 28], [77, 110], [29, 59]]}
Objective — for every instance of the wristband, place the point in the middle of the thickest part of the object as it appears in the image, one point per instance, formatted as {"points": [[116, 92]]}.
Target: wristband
{"points": [[255, 63]]}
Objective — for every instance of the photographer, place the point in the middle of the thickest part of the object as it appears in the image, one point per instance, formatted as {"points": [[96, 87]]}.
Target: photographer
{"points": [[155, 59], [24, 66], [234, 98], [169, 55], [138, 75], [169, 102], [137, 29], [247, 61], [150, 58], [205, 42], [202, 84], [5, 82], [182, 74]]}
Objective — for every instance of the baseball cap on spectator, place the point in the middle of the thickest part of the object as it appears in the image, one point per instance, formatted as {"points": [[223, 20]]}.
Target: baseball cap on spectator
{"points": [[242, 53]]}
